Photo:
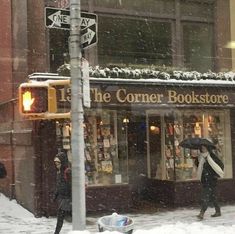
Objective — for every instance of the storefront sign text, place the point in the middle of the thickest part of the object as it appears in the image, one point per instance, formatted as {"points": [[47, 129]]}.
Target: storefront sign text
{"points": [[170, 97], [116, 95]]}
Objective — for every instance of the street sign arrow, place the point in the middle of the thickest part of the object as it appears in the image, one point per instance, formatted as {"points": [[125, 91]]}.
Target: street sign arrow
{"points": [[58, 19], [87, 37]]}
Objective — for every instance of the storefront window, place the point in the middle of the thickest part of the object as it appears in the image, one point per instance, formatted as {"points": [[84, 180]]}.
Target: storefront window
{"points": [[175, 163], [122, 145], [115, 147], [132, 148], [119, 146], [101, 152], [58, 41]]}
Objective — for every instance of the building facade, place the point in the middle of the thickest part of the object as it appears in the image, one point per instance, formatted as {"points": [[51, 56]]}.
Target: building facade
{"points": [[133, 129]]}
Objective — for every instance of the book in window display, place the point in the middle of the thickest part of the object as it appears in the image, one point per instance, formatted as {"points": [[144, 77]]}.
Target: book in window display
{"points": [[169, 147], [66, 129], [103, 139], [90, 150], [185, 127], [59, 135], [192, 127], [101, 148], [197, 130], [107, 166], [215, 132], [177, 129]]}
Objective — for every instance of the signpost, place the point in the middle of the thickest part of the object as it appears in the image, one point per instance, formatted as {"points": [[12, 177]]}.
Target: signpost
{"points": [[83, 34], [77, 119], [60, 19], [88, 29]]}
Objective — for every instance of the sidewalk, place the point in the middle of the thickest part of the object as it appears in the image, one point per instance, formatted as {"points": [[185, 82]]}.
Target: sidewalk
{"points": [[14, 220]]}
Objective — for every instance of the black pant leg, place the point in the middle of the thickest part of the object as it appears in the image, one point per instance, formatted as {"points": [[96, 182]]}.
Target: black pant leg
{"points": [[214, 199], [205, 198], [60, 221]]}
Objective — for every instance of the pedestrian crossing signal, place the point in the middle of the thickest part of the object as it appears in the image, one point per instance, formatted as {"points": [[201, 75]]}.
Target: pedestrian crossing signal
{"points": [[37, 99], [27, 101]]}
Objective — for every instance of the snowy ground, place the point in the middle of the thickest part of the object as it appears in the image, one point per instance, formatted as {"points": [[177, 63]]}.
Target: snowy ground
{"points": [[15, 219]]}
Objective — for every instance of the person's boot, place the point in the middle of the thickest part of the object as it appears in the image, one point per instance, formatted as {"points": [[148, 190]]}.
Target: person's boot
{"points": [[200, 216], [216, 214]]}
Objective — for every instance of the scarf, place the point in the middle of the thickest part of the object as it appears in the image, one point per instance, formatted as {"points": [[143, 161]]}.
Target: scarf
{"points": [[215, 166], [211, 162], [202, 160]]}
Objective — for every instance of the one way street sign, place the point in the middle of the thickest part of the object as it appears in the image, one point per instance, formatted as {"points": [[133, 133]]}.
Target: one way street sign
{"points": [[89, 34], [57, 18], [60, 19]]}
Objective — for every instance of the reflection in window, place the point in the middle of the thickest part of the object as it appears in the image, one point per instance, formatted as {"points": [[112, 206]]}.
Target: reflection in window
{"points": [[177, 163], [115, 147], [101, 152], [198, 47], [130, 41], [58, 40]]}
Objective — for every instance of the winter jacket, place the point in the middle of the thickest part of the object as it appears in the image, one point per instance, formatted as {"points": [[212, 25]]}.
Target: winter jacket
{"points": [[63, 184], [63, 192], [3, 172], [209, 176]]}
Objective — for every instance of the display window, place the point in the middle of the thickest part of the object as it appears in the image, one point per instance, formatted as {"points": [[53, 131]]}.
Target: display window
{"points": [[122, 145], [115, 151], [176, 163], [101, 149]]}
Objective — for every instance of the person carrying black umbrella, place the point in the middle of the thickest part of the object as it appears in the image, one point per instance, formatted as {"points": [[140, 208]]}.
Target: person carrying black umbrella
{"points": [[210, 168]]}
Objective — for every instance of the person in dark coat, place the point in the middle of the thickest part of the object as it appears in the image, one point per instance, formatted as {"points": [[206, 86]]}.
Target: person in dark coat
{"points": [[3, 171], [210, 168], [63, 193]]}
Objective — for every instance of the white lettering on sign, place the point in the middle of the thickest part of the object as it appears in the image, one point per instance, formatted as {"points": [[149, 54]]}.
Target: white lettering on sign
{"points": [[86, 22], [87, 37], [57, 19]]}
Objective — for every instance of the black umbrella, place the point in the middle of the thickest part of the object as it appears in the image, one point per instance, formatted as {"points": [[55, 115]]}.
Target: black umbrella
{"points": [[196, 143]]}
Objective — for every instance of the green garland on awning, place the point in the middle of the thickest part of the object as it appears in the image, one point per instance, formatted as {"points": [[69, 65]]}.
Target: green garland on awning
{"points": [[150, 73]]}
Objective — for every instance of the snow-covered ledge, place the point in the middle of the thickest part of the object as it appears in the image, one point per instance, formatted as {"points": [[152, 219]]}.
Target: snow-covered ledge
{"points": [[152, 74]]}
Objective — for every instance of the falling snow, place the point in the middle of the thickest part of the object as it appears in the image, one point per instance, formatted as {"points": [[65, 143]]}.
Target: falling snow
{"points": [[15, 219]]}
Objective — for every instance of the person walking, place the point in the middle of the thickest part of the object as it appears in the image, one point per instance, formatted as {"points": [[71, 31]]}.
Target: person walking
{"points": [[63, 193], [210, 168], [3, 171]]}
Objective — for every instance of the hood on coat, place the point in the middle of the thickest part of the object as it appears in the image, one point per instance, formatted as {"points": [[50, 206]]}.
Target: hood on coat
{"points": [[62, 158]]}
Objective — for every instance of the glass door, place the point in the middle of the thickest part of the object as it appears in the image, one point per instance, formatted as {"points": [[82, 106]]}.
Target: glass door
{"points": [[163, 137]]}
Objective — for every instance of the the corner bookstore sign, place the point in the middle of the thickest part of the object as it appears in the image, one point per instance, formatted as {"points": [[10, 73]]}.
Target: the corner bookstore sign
{"points": [[168, 97], [115, 95]]}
